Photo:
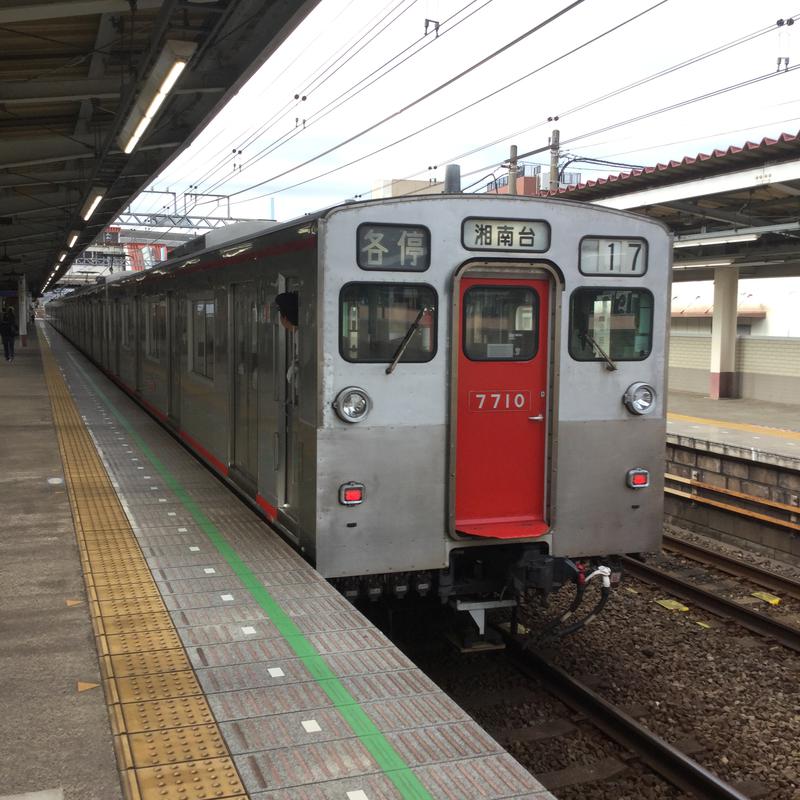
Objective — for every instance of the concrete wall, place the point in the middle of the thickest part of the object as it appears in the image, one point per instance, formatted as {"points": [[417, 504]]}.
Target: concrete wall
{"points": [[768, 368]]}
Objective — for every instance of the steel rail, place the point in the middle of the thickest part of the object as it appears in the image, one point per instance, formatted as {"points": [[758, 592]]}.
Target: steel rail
{"points": [[733, 566], [668, 761], [752, 620]]}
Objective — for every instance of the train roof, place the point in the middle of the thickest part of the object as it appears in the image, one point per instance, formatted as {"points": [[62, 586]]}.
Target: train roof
{"points": [[187, 258]]}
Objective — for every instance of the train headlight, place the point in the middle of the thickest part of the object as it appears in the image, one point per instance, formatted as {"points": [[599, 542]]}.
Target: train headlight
{"points": [[352, 404], [640, 398]]}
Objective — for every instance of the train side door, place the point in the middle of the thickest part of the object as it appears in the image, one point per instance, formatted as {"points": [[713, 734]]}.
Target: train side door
{"points": [[501, 436], [291, 438], [177, 344], [245, 385]]}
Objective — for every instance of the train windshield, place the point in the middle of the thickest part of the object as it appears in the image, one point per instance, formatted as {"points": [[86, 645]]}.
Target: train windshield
{"points": [[618, 322], [376, 316]]}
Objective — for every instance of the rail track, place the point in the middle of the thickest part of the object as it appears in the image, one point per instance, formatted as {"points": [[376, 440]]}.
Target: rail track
{"points": [[733, 566], [755, 621], [673, 765]]}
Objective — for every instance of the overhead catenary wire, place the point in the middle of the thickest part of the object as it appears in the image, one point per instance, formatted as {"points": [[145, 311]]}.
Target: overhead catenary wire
{"points": [[539, 26], [446, 117], [365, 83]]}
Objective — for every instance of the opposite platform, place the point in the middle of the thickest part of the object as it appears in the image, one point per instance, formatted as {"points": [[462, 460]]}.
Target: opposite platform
{"points": [[232, 669], [767, 433]]}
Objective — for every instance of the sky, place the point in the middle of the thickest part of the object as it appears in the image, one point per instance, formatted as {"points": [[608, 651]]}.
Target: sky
{"points": [[344, 59]]}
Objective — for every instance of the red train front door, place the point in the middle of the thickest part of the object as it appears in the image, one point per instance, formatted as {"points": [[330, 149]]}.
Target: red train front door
{"points": [[502, 407]]}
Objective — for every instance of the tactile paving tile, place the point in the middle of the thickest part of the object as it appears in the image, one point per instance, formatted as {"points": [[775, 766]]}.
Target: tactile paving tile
{"points": [[135, 623], [141, 688], [162, 714], [190, 743], [122, 606], [145, 663], [137, 641], [191, 780]]}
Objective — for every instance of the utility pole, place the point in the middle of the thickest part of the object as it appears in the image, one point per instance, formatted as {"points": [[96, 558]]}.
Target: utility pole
{"points": [[512, 170], [555, 140]]}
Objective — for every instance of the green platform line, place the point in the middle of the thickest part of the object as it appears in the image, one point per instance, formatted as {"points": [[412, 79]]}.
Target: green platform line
{"points": [[387, 758]]}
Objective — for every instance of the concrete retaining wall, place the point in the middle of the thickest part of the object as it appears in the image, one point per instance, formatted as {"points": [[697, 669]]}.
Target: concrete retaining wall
{"points": [[768, 368]]}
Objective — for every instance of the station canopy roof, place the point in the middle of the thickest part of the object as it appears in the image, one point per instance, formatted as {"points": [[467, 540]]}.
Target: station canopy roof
{"points": [[76, 77], [737, 207]]}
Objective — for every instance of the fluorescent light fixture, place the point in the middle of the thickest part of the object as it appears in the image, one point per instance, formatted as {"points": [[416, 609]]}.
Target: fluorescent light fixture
{"points": [[697, 264], [162, 78], [92, 201], [73, 237], [701, 240], [62, 256]]}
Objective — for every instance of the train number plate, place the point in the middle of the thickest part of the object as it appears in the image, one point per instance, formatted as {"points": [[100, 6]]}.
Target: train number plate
{"points": [[500, 400]]}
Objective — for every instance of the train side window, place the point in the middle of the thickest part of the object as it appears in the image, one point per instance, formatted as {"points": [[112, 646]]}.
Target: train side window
{"points": [[617, 321], [374, 318], [501, 323], [202, 337], [155, 328]]}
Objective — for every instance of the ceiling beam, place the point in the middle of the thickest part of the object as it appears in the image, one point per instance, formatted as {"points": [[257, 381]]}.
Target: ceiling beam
{"points": [[719, 214], [33, 12], [752, 178], [68, 91]]}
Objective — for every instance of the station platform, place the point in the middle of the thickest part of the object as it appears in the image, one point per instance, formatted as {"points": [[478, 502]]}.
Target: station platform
{"points": [[161, 641], [767, 433]]}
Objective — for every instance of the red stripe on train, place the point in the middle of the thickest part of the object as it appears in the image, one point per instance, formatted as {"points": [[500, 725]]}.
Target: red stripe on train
{"points": [[270, 510], [195, 445]]}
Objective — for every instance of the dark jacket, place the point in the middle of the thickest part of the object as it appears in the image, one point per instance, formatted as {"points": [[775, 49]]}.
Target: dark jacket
{"points": [[8, 326]]}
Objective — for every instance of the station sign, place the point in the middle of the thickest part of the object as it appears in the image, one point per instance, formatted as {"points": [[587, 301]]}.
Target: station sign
{"points": [[517, 235]]}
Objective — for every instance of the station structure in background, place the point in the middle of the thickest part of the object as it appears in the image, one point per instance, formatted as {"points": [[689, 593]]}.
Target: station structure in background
{"points": [[98, 97]]}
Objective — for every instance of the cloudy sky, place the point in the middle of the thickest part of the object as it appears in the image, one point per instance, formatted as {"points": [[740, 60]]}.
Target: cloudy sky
{"points": [[360, 62]]}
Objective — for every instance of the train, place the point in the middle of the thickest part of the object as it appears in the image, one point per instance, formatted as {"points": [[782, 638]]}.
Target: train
{"points": [[471, 407]]}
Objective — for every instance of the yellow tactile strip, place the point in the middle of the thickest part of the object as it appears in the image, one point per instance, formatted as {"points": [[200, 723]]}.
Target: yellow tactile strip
{"points": [[167, 742]]}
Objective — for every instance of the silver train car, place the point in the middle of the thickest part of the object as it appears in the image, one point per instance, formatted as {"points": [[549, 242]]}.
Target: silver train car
{"points": [[471, 407]]}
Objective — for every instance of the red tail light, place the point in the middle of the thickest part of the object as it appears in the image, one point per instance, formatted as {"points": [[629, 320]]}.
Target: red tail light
{"points": [[351, 494], [638, 478]]}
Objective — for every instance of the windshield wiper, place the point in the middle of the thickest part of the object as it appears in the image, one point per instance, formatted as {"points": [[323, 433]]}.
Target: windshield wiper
{"points": [[610, 365], [398, 354]]}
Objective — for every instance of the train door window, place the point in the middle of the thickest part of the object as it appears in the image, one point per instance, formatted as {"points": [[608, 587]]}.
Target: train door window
{"points": [[202, 337], [617, 322], [126, 336], [500, 323], [375, 318], [155, 328]]}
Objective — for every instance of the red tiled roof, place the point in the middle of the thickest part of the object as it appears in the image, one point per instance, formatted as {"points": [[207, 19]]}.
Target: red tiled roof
{"points": [[786, 146]]}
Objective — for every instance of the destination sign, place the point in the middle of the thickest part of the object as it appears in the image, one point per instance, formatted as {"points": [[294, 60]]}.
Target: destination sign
{"points": [[519, 235]]}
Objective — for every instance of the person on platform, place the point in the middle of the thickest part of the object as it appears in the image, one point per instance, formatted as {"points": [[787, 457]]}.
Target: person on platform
{"points": [[8, 332]]}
